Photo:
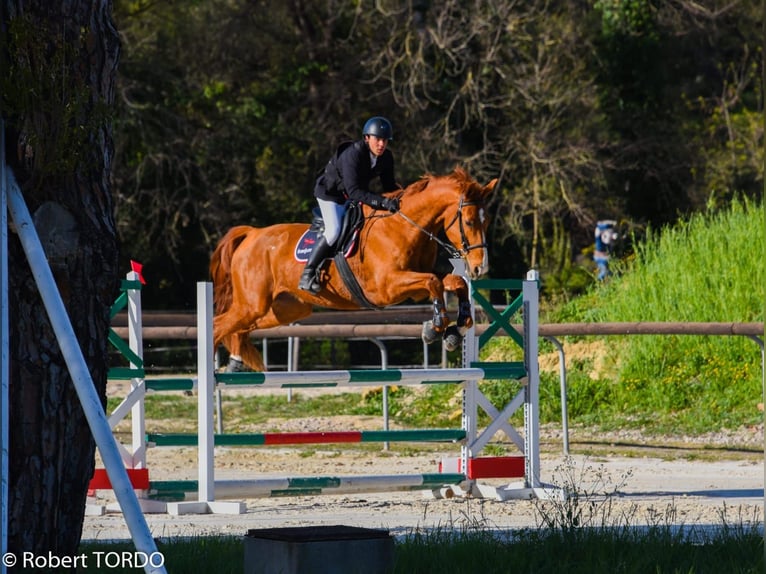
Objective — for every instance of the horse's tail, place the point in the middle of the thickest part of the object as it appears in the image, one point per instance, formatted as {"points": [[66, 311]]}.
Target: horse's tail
{"points": [[220, 267]]}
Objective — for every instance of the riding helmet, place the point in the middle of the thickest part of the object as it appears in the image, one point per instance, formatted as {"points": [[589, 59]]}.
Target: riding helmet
{"points": [[378, 127]]}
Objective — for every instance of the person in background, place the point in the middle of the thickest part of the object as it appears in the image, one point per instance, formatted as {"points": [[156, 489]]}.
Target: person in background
{"points": [[606, 236], [347, 177]]}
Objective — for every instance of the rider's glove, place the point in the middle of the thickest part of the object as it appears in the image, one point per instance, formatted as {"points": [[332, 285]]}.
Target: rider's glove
{"points": [[390, 203]]}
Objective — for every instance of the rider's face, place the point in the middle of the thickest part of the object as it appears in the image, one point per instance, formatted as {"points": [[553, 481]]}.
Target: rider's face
{"points": [[377, 145]]}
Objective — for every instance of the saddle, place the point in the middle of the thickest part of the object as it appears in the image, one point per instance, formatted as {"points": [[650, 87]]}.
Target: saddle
{"points": [[351, 226]]}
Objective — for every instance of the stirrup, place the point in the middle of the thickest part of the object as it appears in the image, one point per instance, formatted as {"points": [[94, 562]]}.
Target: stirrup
{"points": [[309, 282]]}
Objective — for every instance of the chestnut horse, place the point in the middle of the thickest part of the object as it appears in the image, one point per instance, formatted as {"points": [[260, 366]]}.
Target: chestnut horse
{"points": [[255, 273]]}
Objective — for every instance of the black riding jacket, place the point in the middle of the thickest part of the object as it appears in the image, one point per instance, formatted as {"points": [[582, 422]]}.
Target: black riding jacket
{"points": [[349, 173]]}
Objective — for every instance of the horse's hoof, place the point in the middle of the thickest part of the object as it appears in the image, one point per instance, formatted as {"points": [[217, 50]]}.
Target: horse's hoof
{"points": [[452, 338], [236, 366], [430, 335]]}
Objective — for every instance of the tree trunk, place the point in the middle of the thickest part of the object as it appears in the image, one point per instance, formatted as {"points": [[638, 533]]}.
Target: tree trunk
{"points": [[58, 91]]}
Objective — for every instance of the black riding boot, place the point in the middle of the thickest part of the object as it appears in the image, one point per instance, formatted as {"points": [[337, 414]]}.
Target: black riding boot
{"points": [[310, 277]]}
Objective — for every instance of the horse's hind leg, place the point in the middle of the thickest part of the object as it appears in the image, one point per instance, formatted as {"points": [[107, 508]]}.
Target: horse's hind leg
{"points": [[232, 331], [242, 354], [280, 313]]}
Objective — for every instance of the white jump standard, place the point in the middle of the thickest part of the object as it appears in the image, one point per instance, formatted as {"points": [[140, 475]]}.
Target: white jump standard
{"points": [[459, 475]]}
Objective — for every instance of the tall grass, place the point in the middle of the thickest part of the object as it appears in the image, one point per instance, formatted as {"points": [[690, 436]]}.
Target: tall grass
{"points": [[586, 551], [481, 549], [706, 269], [709, 268]]}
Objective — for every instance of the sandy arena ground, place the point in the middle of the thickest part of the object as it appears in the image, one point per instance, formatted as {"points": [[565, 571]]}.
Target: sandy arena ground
{"points": [[684, 485]]}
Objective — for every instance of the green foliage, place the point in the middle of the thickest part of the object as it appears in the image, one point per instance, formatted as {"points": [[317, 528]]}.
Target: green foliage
{"points": [[731, 141], [164, 407], [569, 281], [220, 553], [434, 406], [625, 17], [706, 269], [334, 352], [213, 130], [586, 397], [38, 84], [634, 110], [372, 401]]}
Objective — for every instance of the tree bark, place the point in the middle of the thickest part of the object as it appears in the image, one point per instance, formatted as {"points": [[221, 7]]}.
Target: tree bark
{"points": [[61, 67]]}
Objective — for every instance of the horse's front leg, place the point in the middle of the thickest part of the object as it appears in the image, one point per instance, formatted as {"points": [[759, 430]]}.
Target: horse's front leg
{"points": [[454, 334], [435, 328], [457, 285], [417, 286]]}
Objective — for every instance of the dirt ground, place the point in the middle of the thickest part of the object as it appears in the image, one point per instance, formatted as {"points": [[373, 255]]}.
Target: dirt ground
{"points": [[715, 479]]}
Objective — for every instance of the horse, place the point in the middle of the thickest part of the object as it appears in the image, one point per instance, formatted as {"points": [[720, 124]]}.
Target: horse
{"points": [[255, 271]]}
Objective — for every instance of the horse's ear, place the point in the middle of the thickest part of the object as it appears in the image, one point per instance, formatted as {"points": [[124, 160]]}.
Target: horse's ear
{"points": [[489, 188]]}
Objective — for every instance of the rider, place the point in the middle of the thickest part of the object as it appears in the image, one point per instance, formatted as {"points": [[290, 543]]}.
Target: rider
{"points": [[347, 176]]}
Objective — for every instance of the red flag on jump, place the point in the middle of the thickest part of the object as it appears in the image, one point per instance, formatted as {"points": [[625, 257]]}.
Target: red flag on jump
{"points": [[137, 267]]}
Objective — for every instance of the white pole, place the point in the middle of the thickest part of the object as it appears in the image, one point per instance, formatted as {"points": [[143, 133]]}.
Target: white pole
{"points": [[78, 370], [205, 389], [532, 405], [4, 392], [469, 351], [136, 342], [290, 363]]}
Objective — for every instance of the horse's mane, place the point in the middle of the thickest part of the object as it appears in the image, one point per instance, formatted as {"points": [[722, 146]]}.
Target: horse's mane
{"points": [[459, 178]]}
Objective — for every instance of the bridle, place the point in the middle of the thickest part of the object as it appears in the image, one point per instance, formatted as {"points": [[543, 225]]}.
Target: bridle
{"points": [[448, 247]]}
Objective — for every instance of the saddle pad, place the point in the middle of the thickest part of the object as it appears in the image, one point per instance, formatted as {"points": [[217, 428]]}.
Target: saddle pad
{"points": [[309, 239], [305, 245]]}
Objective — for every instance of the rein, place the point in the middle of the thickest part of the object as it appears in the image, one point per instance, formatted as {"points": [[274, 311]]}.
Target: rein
{"points": [[448, 247]]}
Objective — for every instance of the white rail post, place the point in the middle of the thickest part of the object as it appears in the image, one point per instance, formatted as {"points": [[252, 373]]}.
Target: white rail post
{"points": [[532, 399], [470, 389], [205, 390], [136, 343], [206, 384]]}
